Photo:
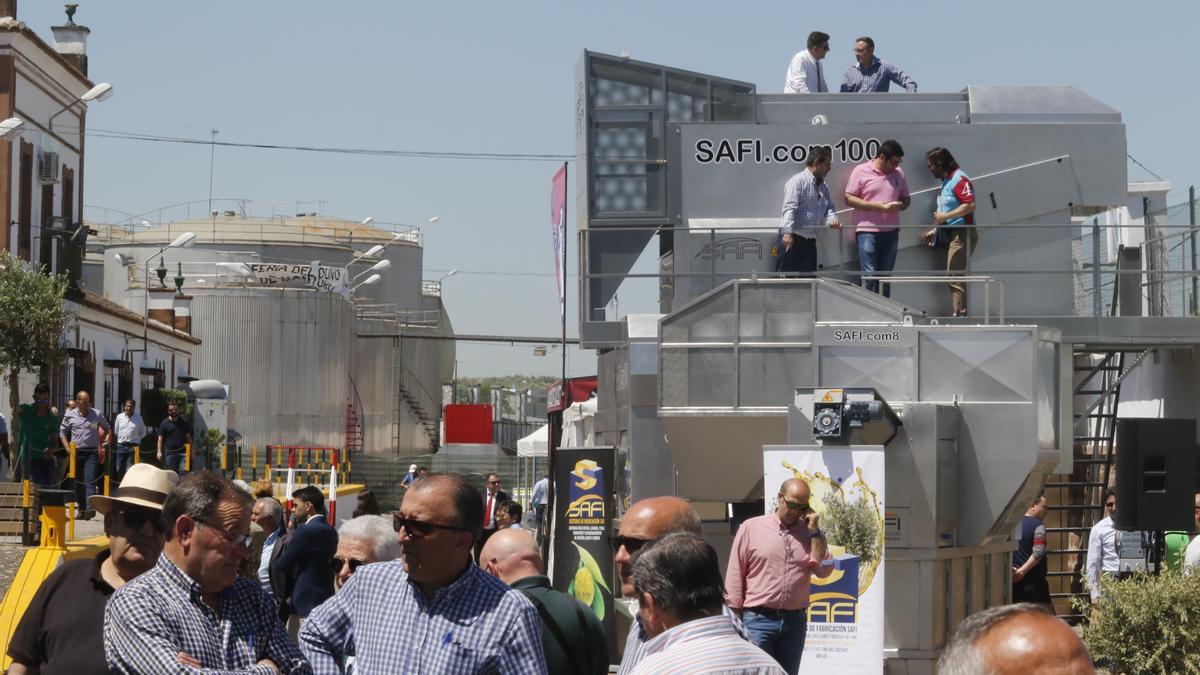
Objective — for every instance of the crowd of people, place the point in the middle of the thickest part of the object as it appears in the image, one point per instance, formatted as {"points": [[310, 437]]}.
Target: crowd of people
{"points": [[199, 574], [38, 447], [877, 190]]}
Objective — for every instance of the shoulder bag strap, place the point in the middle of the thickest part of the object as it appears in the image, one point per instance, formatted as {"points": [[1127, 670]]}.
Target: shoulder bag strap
{"points": [[555, 630]]}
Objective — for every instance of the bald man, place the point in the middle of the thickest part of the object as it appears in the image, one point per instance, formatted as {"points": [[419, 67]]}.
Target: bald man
{"points": [[644, 522], [572, 636], [1024, 639], [771, 566]]}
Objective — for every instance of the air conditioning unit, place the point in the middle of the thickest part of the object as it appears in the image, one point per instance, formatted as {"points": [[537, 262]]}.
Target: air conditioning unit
{"points": [[49, 168]]}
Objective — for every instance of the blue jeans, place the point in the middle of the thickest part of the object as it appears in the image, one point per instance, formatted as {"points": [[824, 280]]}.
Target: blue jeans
{"points": [[780, 634], [173, 460], [91, 470], [877, 253], [124, 459]]}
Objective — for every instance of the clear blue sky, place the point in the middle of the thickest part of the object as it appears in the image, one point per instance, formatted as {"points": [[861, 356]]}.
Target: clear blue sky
{"points": [[498, 77]]}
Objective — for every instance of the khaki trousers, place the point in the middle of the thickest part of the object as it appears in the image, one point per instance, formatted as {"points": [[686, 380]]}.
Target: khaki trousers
{"points": [[962, 245]]}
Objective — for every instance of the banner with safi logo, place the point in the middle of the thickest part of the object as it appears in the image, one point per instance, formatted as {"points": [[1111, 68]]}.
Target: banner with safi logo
{"points": [[845, 609]]}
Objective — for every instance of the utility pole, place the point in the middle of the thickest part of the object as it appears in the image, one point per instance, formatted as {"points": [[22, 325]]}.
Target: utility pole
{"points": [[1195, 308], [212, 156]]}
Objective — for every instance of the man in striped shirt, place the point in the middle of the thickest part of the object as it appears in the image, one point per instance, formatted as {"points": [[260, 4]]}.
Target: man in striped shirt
{"points": [[677, 581], [807, 210], [432, 611]]}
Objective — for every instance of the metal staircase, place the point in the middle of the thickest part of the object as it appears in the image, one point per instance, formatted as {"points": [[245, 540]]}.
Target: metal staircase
{"points": [[1076, 500], [428, 423]]}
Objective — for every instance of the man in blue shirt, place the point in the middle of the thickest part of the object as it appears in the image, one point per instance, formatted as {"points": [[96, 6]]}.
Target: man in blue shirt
{"points": [[432, 611], [869, 74], [807, 210]]}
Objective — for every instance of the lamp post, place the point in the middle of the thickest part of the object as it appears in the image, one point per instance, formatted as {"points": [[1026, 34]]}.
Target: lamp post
{"points": [[97, 93], [10, 125], [447, 274], [374, 278], [377, 267], [182, 241]]}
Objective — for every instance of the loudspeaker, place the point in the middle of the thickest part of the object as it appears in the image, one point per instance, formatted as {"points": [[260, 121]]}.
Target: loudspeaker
{"points": [[1156, 469]]}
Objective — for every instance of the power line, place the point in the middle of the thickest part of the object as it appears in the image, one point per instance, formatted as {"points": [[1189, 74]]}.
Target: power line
{"points": [[424, 154], [1144, 167]]}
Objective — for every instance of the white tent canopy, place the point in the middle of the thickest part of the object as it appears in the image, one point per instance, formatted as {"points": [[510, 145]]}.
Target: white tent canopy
{"points": [[535, 444], [578, 431]]}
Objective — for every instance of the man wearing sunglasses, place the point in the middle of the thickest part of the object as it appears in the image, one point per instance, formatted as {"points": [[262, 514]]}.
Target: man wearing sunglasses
{"points": [[771, 566], [1102, 549], [493, 497], [193, 610], [62, 630], [305, 560], [645, 521], [362, 541], [432, 611]]}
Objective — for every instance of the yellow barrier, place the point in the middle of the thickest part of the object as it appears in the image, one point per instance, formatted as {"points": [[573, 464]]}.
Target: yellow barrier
{"points": [[187, 456], [37, 564], [137, 454]]}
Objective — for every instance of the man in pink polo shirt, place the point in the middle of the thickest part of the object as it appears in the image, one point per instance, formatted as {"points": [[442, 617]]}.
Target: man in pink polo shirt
{"points": [[878, 192], [771, 566]]}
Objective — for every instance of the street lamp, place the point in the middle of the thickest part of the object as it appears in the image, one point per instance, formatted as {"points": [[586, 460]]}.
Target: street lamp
{"points": [[362, 223], [447, 274], [10, 125], [97, 93], [374, 278], [377, 267], [182, 241]]}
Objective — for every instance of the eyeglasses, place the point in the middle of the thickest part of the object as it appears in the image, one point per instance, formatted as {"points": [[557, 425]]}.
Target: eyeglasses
{"points": [[242, 540], [1110, 505], [631, 544], [336, 564], [795, 506], [420, 528], [493, 482], [135, 518]]}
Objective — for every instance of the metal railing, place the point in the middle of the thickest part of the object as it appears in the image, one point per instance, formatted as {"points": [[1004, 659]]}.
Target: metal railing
{"points": [[1168, 275]]}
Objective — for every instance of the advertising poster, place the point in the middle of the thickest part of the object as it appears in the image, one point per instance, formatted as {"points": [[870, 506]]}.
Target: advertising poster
{"points": [[845, 611], [583, 564], [558, 231]]}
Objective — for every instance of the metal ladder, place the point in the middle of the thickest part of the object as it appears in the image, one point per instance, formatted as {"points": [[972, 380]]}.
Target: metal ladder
{"points": [[1077, 499]]}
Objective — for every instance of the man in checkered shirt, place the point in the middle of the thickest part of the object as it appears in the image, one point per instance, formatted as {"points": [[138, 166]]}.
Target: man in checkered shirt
{"points": [[192, 610], [432, 611]]}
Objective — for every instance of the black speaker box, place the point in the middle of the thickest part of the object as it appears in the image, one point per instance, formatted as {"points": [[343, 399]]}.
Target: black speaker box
{"points": [[1156, 470]]}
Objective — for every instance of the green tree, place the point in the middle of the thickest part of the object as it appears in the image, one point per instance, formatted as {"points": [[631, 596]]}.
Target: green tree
{"points": [[1146, 624], [32, 321]]}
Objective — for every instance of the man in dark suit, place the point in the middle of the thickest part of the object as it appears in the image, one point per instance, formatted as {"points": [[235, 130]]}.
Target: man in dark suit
{"points": [[305, 559], [268, 515], [492, 498]]}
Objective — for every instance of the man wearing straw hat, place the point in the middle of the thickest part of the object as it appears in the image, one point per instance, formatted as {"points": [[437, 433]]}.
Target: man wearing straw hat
{"points": [[62, 630]]}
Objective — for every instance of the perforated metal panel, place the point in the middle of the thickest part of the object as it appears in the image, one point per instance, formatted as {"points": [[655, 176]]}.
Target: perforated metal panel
{"points": [[768, 375], [710, 320], [773, 313], [701, 377]]}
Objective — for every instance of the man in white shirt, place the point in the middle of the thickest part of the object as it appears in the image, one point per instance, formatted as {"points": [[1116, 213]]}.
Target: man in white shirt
{"points": [[804, 74], [1102, 547], [1191, 557], [130, 430]]}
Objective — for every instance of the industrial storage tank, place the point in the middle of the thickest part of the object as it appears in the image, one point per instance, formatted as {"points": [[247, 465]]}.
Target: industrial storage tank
{"points": [[291, 353], [285, 354]]}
